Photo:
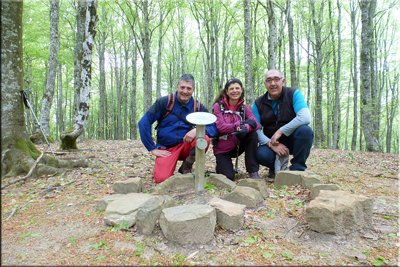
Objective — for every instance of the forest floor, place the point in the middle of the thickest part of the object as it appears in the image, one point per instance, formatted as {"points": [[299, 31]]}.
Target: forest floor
{"points": [[60, 227]]}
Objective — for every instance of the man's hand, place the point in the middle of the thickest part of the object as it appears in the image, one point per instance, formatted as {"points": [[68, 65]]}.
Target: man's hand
{"points": [[160, 153], [279, 149], [190, 136], [274, 139]]}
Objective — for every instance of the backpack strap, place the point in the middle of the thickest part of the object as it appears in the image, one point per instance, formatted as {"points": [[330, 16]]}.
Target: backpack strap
{"points": [[169, 110], [170, 105], [240, 112]]}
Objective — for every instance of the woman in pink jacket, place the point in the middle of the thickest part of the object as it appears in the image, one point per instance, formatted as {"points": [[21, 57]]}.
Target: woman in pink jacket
{"points": [[237, 128]]}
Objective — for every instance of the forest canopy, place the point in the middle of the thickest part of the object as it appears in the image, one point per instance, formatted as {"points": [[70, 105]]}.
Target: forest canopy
{"points": [[342, 55]]}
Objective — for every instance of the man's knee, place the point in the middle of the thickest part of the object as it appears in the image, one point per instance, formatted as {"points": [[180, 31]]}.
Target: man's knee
{"points": [[160, 177], [265, 156], [304, 132]]}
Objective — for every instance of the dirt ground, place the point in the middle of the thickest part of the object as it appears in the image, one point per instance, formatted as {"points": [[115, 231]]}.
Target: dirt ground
{"points": [[60, 227]]}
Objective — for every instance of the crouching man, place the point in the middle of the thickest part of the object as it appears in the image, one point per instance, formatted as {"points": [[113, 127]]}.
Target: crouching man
{"points": [[176, 137]]}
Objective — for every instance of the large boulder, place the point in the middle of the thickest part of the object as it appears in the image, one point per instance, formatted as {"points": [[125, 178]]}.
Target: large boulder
{"points": [[132, 185], [174, 183], [229, 215], [259, 185], [189, 224], [247, 196], [220, 181], [339, 212], [125, 208], [150, 212]]}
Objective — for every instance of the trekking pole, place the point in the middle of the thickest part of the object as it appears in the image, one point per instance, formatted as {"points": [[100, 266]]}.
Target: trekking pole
{"points": [[237, 157], [28, 105], [238, 143]]}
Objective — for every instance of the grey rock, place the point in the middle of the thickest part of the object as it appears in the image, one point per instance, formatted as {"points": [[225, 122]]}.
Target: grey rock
{"points": [[200, 200], [247, 196], [125, 208], [339, 212], [220, 181], [287, 178], [309, 178], [259, 185], [189, 224], [304, 178], [316, 188], [150, 211], [386, 229], [174, 183], [103, 203], [132, 185], [229, 215]]}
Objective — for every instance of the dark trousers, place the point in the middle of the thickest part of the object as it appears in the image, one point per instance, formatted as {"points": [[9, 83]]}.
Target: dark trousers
{"points": [[248, 144], [299, 144]]}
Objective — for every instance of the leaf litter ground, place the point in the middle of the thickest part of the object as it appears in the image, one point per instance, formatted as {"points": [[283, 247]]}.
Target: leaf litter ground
{"points": [[54, 222]]}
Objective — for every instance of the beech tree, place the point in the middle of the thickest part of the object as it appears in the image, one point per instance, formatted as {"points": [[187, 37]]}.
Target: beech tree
{"points": [[367, 9], [18, 152], [207, 39], [69, 136], [52, 65], [248, 53]]}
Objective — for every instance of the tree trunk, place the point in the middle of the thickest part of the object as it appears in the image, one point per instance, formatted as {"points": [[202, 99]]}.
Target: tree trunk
{"points": [[365, 74], [125, 97], [308, 65], [18, 153], [51, 77], [69, 136], [337, 113], [60, 98], [133, 95], [319, 128], [353, 13], [248, 53], [102, 82], [271, 35], [147, 68], [80, 37], [293, 77], [160, 35], [12, 71], [392, 106]]}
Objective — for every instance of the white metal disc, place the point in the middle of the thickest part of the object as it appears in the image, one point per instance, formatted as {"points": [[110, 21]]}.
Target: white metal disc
{"points": [[201, 118]]}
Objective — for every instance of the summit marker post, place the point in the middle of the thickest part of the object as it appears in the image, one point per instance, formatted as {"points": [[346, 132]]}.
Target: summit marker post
{"points": [[200, 119]]}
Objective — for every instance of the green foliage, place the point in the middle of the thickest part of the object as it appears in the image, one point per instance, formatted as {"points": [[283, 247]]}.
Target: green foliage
{"points": [[209, 187], [100, 245], [123, 225], [189, 51]]}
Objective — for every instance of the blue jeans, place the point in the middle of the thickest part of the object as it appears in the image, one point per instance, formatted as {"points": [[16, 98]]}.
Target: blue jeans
{"points": [[299, 144]]}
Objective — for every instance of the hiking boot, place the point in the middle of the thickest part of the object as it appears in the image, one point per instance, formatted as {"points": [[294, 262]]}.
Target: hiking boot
{"points": [[186, 166], [254, 175], [271, 174]]}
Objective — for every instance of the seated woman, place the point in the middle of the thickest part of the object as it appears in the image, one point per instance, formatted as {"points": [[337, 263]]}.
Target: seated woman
{"points": [[237, 128]]}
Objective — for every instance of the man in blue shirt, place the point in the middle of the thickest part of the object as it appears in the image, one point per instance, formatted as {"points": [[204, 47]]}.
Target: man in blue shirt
{"points": [[176, 137], [284, 117]]}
